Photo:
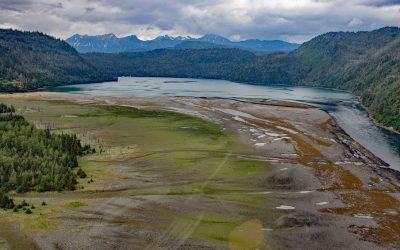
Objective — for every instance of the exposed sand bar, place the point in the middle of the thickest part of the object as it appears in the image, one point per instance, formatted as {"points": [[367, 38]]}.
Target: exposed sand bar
{"points": [[324, 188]]}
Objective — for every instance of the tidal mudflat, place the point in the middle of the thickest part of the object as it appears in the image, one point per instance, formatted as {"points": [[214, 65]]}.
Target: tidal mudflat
{"points": [[185, 172]]}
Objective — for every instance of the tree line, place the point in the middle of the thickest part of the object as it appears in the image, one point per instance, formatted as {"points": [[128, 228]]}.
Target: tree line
{"points": [[33, 159], [365, 63]]}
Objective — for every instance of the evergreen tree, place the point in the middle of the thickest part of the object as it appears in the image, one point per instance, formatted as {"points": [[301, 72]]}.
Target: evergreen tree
{"points": [[35, 159]]}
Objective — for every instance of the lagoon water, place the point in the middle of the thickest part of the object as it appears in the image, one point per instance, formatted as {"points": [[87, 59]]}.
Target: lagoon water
{"points": [[341, 105]]}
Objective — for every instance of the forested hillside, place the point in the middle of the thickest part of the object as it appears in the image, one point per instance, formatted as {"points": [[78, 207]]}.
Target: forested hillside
{"points": [[29, 60], [366, 63], [201, 63]]}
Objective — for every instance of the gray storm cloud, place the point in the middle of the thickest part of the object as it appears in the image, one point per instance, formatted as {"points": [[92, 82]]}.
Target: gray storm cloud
{"points": [[382, 2], [273, 19]]}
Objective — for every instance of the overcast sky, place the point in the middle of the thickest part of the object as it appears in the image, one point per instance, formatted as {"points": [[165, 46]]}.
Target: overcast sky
{"points": [[291, 20]]}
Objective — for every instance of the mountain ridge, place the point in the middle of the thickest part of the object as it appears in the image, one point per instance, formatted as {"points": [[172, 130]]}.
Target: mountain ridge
{"points": [[367, 63], [109, 43]]}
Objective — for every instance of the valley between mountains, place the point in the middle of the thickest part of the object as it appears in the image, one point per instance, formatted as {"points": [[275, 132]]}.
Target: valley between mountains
{"points": [[366, 63]]}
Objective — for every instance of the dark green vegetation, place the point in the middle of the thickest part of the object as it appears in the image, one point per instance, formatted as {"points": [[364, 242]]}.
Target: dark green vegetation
{"points": [[35, 159], [200, 63], [6, 109], [200, 175], [366, 63], [6, 202], [31, 60]]}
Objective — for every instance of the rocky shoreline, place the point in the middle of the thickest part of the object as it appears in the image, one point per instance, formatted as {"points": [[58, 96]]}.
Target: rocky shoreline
{"points": [[378, 124]]}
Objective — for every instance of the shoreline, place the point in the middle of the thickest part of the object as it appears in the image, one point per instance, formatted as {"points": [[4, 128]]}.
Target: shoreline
{"points": [[314, 168], [376, 123], [264, 101], [118, 101]]}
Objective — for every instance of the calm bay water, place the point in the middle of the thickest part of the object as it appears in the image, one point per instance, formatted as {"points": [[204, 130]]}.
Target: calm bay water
{"points": [[341, 105]]}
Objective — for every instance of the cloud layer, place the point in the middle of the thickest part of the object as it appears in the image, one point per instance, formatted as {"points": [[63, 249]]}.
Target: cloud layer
{"points": [[292, 20]]}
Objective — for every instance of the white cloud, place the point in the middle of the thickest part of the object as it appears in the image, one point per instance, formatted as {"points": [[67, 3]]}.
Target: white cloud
{"points": [[355, 22], [293, 20]]}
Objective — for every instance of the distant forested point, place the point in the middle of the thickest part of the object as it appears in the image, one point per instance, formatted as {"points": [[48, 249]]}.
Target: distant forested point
{"points": [[194, 63], [33, 159]]}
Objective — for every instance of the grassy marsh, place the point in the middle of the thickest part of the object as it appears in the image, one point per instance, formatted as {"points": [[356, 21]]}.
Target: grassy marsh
{"points": [[156, 153]]}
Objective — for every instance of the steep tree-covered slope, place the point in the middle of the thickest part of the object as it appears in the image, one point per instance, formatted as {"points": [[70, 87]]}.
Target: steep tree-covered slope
{"points": [[366, 63], [201, 63], [29, 60]]}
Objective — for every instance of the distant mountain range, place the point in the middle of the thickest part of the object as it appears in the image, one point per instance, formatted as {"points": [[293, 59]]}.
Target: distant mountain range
{"points": [[110, 43], [365, 63]]}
